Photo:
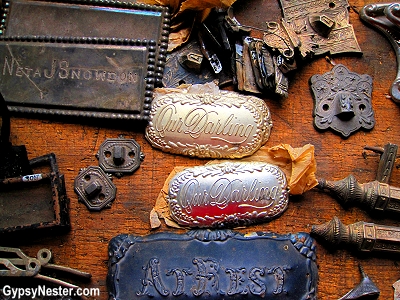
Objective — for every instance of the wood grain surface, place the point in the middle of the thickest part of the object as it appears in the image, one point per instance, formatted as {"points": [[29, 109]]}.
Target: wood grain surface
{"points": [[75, 143]]}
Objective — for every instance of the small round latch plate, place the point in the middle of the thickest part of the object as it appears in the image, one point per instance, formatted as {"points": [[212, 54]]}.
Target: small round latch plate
{"points": [[95, 188]]}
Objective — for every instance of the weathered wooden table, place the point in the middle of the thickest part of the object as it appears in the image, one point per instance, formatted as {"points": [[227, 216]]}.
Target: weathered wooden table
{"points": [[75, 143]]}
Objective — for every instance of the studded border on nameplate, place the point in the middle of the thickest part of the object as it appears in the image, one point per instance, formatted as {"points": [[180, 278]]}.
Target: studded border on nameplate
{"points": [[207, 264], [114, 20], [90, 77]]}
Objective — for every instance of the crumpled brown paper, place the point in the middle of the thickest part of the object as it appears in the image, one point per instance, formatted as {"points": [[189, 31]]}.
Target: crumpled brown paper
{"points": [[298, 164], [185, 15]]}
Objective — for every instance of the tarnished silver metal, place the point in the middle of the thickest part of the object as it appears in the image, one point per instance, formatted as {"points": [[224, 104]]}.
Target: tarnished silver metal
{"points": [[95, 188], [17, 264], [228, 194], [362, 236], [120, 156], [321, 26], [216, 125], [342, 101], [386, 18], [365, 288]]}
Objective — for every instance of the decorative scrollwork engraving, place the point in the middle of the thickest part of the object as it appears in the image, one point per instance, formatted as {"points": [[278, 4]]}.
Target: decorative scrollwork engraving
{"points": [[206, 125], [227, 194]]}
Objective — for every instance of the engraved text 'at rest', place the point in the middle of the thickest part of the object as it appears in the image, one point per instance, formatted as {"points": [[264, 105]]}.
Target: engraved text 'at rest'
{"points": [[207, 274], [198, 121], [61, 69], [224, 191]]}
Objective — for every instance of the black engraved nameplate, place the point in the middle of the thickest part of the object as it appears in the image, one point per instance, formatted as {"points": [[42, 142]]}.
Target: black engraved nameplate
{"points": [[77, 77], [204, 264]]}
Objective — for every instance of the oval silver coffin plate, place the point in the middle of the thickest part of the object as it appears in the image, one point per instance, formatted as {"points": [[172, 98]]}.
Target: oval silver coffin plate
{"points": [[226, 125], [227, 194]]}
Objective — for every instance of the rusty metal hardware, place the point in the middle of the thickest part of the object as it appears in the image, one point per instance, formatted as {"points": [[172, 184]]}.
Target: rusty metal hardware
{"points": [[342, 101], [219, 264], [119, 156], [186, 66], [215, 125], [192, 61], [376, 196], [13, 159], [95, 188], [281, 38], [34, 201], [387, 161], [18, 264], [249, 80], [321, 26], [120, 21], [228, 194], [362, 236], [365, 288], [386, 18]]}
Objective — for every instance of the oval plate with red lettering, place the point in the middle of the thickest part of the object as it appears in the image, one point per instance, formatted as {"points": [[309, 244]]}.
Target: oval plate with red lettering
{"points": [[227, 194], [222, 125]]}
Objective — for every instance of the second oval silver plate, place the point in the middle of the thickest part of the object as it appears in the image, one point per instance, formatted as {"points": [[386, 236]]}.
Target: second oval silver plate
{"points": [[227, 194], [223, 125]]}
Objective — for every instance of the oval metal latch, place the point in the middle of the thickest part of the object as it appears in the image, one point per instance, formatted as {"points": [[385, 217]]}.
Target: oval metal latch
{"points": [[228, 194], [95, 188], [221, 125], [120, 156]]}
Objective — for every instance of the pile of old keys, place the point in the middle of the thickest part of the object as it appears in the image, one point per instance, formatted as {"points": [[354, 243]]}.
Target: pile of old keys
{"points": [[21, 265], [386, 18]]}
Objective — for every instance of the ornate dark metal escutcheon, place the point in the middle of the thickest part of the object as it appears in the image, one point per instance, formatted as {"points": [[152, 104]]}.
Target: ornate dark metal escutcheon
{"points": [[342, 101], [228, 194], [212, 265], [95, 188], [321, 26], [118, 156]]}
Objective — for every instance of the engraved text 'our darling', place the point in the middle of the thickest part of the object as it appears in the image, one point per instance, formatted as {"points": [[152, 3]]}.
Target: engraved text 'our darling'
{"points": [[225, 191], [61, 69], [198, 121]]}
